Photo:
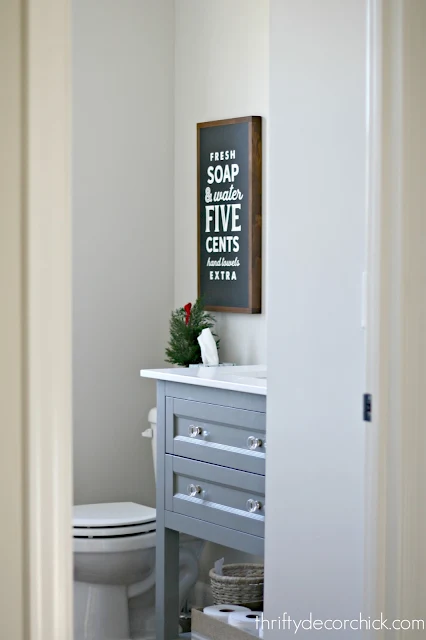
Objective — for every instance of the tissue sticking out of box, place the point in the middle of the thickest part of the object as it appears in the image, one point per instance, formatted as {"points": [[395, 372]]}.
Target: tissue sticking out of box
{"points": [[208, 348], [218, 566]]}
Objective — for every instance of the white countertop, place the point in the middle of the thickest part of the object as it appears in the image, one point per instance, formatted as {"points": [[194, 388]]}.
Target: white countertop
{"points": [[248, 379]]}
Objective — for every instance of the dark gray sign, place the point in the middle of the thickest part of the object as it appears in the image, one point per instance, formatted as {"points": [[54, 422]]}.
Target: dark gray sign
{"points": [[229, 214]]}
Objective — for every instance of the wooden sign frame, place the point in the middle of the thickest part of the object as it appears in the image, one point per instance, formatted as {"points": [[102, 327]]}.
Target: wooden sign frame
{"points": [[251, 216]]}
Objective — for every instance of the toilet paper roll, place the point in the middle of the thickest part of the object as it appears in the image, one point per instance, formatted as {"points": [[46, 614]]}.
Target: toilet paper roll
{"points": [[249, 621], [223, 611]]}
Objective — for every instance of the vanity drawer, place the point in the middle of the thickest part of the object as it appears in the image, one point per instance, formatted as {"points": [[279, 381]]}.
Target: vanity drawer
{"points": [[221, 496], [215, 434]]}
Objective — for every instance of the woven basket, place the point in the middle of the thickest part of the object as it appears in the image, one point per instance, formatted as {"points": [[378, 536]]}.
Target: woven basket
{"points": [[240, 584]]}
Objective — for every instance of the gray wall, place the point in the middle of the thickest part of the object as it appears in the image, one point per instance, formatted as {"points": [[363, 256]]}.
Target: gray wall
{"points": [[315, 462], [122, 237]]}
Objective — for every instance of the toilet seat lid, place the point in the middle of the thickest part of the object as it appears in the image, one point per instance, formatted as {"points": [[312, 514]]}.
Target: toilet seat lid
{"points": [[112, 514]]}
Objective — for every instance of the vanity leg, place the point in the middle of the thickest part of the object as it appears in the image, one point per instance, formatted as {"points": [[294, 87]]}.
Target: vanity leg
{"points": [[167, 583], [167, 551]]}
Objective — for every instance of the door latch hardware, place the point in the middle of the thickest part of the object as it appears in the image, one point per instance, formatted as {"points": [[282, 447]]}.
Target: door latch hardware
{"points": [[367, 407]]}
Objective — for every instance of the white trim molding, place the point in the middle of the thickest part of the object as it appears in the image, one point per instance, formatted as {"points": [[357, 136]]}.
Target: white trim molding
{"points": [[12, 536], [48, 299], [35, 331], [396, 349]]}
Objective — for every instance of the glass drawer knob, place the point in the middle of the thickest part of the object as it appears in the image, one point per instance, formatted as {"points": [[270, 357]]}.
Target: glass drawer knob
{"points": [[193, 490], [194, 431], [254, 443], [253, 505]]}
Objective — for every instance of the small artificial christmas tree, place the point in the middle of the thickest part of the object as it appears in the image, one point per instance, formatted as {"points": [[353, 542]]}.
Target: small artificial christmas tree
{"points": [[186, 324]]}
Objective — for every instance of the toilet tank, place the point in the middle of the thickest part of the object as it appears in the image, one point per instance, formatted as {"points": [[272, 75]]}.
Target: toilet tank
{"points": [[151, 433]]}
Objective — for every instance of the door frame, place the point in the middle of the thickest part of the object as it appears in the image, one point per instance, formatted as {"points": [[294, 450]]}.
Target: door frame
{"points": [[35, 205], [395, 561], [48, 299]]}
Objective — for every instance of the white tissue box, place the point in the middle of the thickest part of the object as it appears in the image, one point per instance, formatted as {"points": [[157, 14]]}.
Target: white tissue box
{"points": [[210, 628]]}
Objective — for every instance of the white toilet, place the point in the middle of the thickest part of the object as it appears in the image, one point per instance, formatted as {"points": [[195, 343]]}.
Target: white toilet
{"points": [[114, 568]]}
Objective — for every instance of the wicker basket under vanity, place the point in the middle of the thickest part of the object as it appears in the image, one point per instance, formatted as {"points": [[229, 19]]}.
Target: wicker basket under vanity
{"points": [[240, 584]]}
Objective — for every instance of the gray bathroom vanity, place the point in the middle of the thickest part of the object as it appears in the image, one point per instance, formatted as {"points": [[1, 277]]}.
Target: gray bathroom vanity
{"points": [[211, 425]]}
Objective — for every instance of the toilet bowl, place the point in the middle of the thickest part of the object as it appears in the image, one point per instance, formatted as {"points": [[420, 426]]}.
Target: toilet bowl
{"points": [[114, 570]]}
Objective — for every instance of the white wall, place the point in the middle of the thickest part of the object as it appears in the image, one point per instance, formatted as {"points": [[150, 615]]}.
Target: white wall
{"points": [[221, 71], [315, 463], [122, 237], [127, 223]]}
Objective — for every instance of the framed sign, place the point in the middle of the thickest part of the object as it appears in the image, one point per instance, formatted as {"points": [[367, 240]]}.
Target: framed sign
{"points": [[230, 214]]}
